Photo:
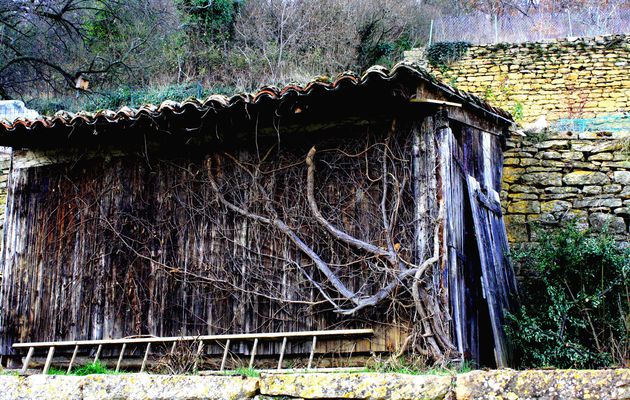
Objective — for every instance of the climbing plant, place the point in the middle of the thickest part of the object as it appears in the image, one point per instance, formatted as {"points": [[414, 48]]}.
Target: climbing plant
{"points": [[442, 54]]}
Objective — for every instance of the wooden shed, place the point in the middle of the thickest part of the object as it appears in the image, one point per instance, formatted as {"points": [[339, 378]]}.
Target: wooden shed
{"points": [[363, 201]]}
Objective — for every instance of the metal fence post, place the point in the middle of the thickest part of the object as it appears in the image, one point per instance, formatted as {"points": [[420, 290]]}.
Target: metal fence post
{"points": [[496, 29]]}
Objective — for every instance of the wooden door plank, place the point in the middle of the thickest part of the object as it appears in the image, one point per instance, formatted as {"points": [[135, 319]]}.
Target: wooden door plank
{"points": [[487, 262]]}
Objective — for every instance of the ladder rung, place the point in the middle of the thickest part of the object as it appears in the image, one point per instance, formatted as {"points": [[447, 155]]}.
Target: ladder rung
{"points": [[51, 352], [310, 358], [27, 360], [74, 355], [225, 354], [251, 359], [120, 357], [146, 355], [284, 346]]}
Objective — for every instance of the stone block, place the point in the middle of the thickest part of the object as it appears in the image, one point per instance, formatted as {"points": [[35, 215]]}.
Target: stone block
{"points": [[511, 161], [600, 222], [591, 202], [523, 189], [543, 178], [617, 164], [512, 175], [578, 178], [555, 206], [573, 155], [561, 189], [551, 155], [550, 384], [526, 162], [144, 386], [553, 144], [622, 177], [623, 211], [523, 196], [516, 226], [614, 188], [592, 189], [559, 196], [356, 386], [553, 163], [524, 207], [601, 157]]}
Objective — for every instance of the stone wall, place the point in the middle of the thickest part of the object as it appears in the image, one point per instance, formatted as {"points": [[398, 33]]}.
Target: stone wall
{"points": [[554, 177], [567, 78], [502, 384]]}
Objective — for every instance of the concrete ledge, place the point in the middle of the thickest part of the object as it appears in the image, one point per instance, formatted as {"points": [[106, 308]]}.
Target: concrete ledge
{"points": [[543, 384], [502, 384], [357, 386], [128, 386]]}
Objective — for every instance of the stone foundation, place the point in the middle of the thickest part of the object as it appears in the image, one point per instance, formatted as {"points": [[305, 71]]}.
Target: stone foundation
{"points": [[501, 384]]}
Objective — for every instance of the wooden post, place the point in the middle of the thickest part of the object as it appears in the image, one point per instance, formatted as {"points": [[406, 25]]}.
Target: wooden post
{"points": [[98, 352], [284, 345], [74, 355], [199, 349], [146, 355], [225, 354], [120, 357], [27, 360], [51, 352], [251, 359], [310, 358]]}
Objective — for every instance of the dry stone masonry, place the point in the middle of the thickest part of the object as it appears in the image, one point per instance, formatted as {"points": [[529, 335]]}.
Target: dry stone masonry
{"points": [[574, 173], [566, 78], [555, 177]]}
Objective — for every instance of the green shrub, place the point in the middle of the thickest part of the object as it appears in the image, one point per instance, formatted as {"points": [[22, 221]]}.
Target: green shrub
{"points": [[575, 300]]}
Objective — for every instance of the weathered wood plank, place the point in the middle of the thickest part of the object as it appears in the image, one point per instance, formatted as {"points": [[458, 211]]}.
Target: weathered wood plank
{"points": [[491, 286]]}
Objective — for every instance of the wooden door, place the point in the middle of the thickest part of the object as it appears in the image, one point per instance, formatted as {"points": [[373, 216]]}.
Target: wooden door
{"points": [[497, 278]]}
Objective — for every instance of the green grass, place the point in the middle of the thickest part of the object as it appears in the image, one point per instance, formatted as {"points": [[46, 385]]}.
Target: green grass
{"points": [[411, 369], [89, 369], [124, 96], [250, 372]]}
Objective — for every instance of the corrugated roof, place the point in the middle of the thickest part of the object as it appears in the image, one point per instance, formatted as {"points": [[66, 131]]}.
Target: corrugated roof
{"points": [[217, 103]]}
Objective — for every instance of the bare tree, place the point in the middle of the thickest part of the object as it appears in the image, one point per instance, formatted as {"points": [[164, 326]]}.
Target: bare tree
{"points": [[50, 44]]}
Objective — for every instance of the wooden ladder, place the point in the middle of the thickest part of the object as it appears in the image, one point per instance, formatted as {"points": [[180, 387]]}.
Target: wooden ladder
{"points": [[226, 339]]}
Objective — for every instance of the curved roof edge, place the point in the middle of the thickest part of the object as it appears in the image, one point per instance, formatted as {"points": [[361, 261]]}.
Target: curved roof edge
{"points": [[218, 102]]}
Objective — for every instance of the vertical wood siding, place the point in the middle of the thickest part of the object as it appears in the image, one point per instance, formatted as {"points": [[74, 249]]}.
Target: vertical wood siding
{"points": [[138, 245]]}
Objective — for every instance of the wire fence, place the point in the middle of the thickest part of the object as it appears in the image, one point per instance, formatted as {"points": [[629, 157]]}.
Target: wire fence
{"points": [[482, 28]]}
